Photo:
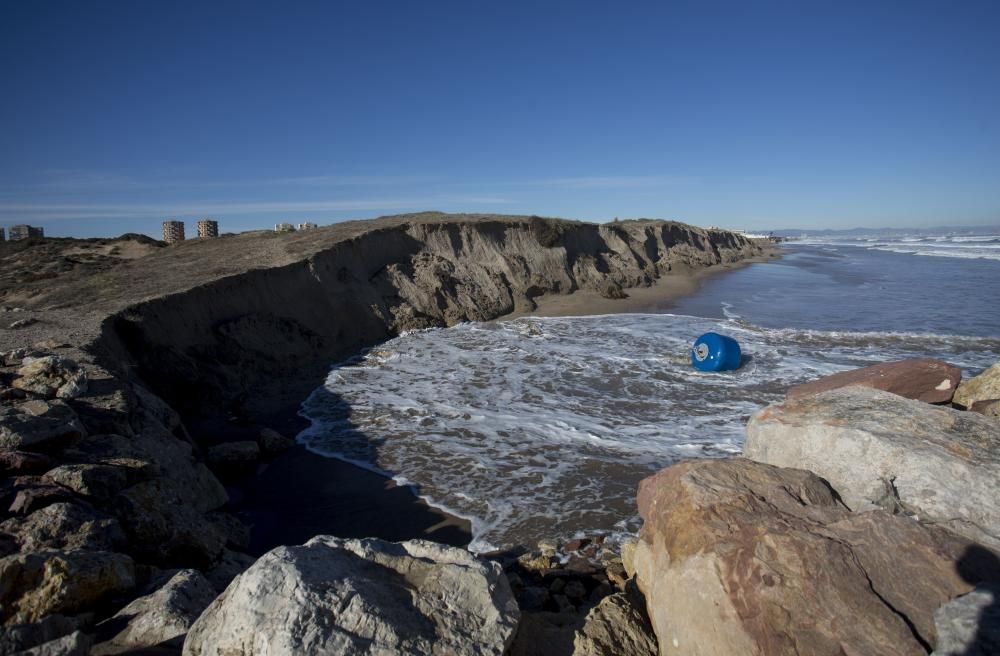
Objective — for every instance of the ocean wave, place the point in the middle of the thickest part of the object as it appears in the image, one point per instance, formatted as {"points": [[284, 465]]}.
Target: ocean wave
{"points": [[983, 247], [543, 427]]}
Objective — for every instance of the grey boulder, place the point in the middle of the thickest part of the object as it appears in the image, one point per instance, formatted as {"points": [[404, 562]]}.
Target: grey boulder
{"points": [[67, 526], [161, 618], [100, 482], [23, 637], [879, 449], [334, 596], [38, 425], [75, 644], [164, 529], [234, 453], [969, 625], [272, 442], [615, 626]]}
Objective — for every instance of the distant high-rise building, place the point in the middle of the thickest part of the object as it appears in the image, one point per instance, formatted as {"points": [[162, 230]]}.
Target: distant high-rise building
{"points": [[208, 228], [3, 235], [23, 231], [308, 225], [284, 227], [173, 231]]}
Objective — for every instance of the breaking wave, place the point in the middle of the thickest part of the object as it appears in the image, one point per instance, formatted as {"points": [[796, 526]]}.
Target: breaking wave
{"points": [[543, 427]]}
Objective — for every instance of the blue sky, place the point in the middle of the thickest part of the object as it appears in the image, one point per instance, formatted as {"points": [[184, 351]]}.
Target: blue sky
{"points": [[760, 115]]}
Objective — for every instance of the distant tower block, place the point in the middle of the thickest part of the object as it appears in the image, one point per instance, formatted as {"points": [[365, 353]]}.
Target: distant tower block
{"points": [[173, 231], [284, 227], [3, 235], [208, 228], [308, 225], [23, 231]]}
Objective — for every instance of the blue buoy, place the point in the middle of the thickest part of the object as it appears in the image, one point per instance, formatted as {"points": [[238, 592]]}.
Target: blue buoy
{"points": [[715, 352]]}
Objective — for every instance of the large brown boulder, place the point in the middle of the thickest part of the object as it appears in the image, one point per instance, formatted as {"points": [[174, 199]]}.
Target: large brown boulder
{"points": [[877, 448], [739, 557], [923, 379]]}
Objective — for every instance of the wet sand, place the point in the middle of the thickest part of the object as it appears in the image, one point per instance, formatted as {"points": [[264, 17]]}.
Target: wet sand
{"points": [[640, 299]]}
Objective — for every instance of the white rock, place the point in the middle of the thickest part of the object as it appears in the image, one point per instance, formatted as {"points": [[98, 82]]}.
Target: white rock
{"points": [[969, 625], [74, 644], [334, 596], [876, 448]]}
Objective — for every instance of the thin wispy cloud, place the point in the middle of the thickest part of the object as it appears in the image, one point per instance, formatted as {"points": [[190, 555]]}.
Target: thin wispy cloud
{"points": [[80, 180], [616, 181], [80, 194], [62, 211], [83, 180], [356, 180]]}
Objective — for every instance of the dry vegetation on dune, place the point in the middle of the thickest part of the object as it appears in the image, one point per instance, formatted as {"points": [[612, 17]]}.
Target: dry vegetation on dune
{"points": [[27, 265]]}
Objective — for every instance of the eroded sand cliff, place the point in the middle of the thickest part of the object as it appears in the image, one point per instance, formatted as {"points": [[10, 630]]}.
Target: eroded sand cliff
{"points": [[229, 339]]}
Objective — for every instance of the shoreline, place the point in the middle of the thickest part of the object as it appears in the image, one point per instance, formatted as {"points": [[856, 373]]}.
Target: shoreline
{"points": [[357, 502], [674, 285]]}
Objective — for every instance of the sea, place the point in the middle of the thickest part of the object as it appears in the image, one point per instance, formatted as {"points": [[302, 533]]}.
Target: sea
{"points": [[541, 428]]}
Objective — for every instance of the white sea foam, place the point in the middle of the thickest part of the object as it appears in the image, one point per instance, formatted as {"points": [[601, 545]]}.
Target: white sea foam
{"points": [[985, 247], [543, 427]]}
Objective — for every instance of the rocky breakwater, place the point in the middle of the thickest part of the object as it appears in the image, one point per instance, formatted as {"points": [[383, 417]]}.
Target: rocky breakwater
{"points": [[102, 498], [887, 546]]}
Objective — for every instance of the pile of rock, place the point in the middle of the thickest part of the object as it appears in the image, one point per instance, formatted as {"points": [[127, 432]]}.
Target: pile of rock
{"points": [[102, 498], [863, 519], [575, 598], [49, 377], [860, 521]]}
